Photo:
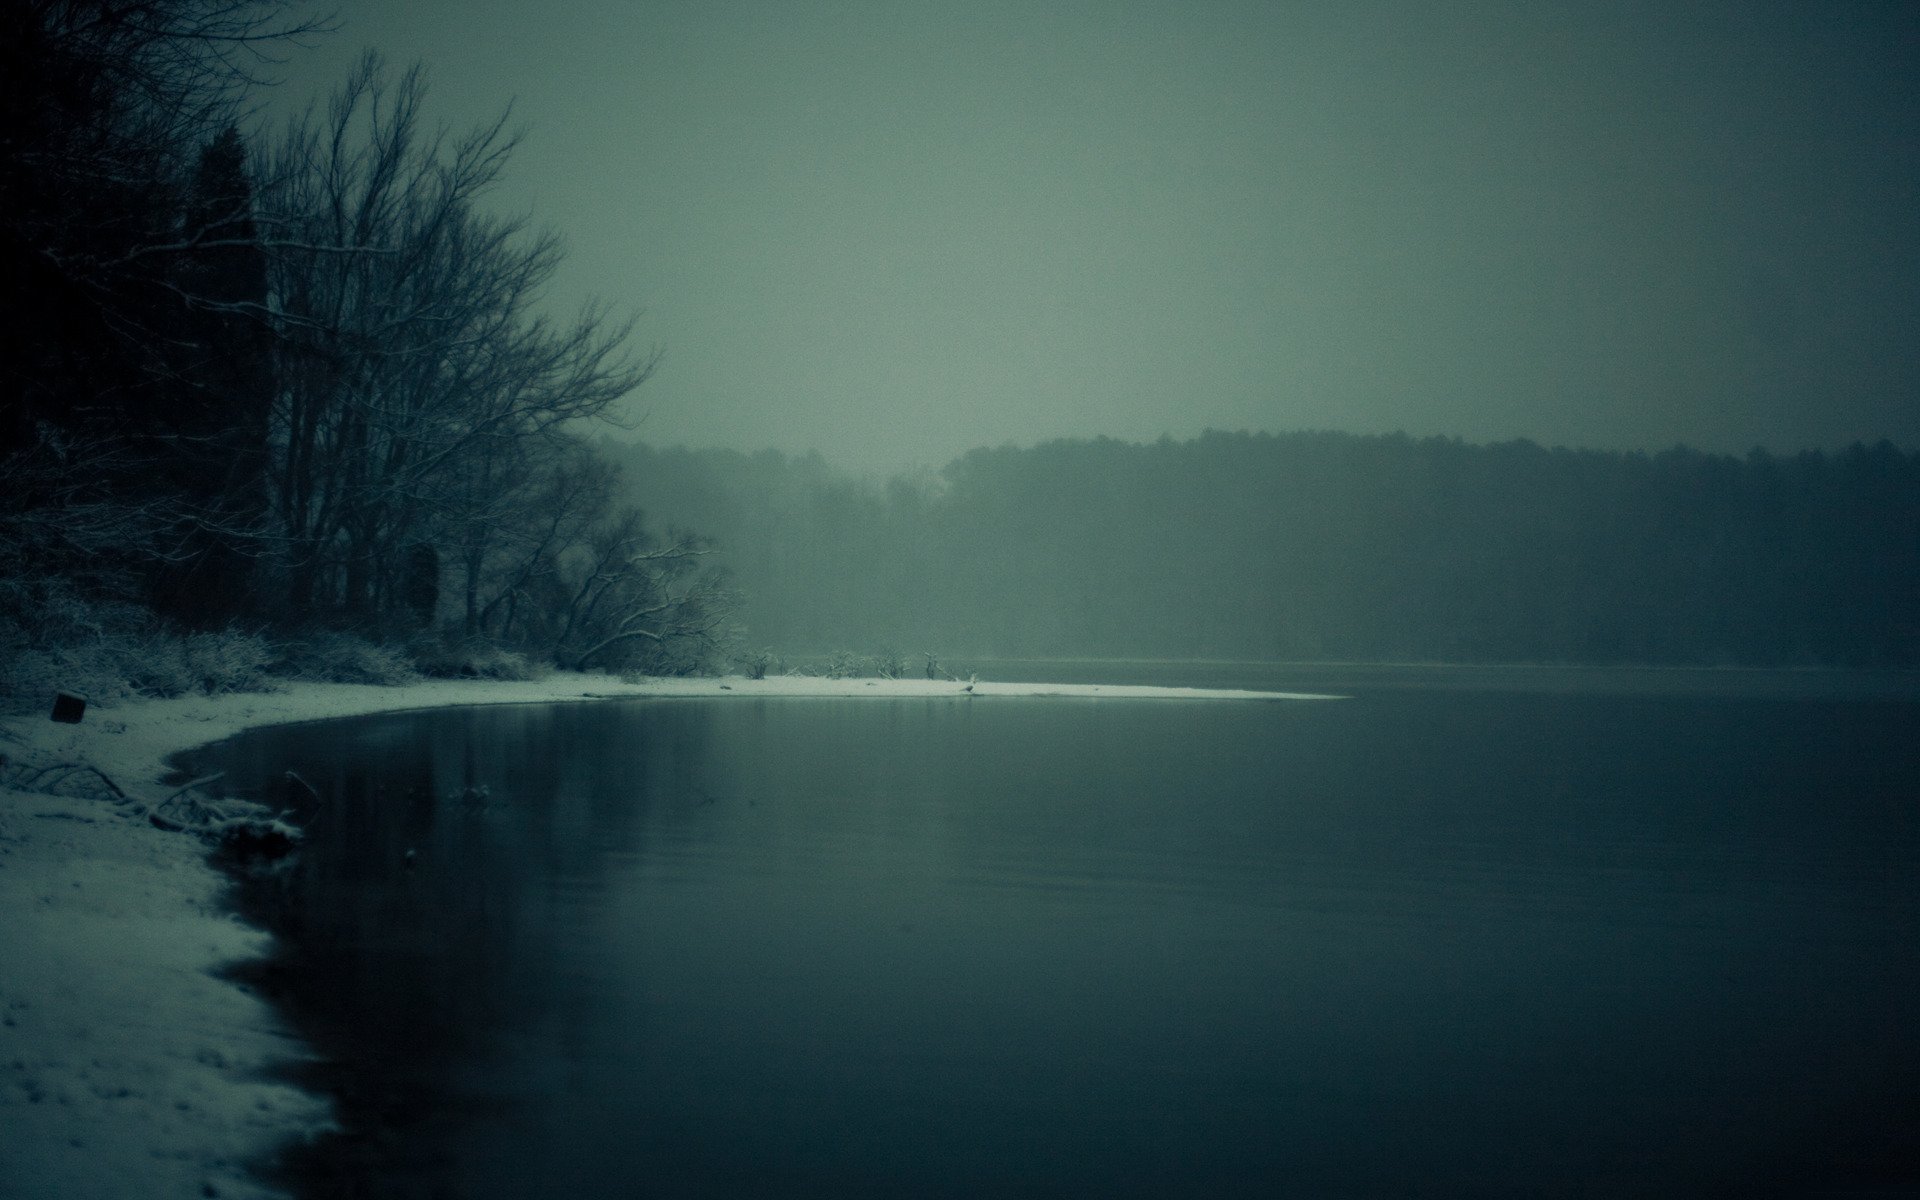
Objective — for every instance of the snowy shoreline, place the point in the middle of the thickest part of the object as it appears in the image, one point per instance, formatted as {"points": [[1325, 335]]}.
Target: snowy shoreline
{"points": [[128, 1065]]}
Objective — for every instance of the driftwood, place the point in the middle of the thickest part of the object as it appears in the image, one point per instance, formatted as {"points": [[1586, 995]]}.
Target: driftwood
{"points": [[251, 829], [191, 785], [199, 813]]}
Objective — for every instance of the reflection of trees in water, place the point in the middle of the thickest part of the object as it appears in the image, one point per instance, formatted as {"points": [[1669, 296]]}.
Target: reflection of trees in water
{"points": [[411, 973], [975, 915]]}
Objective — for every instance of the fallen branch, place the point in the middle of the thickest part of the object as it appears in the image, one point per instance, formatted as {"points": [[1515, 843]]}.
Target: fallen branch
{"points": [[188, 787], [242, 826], [304, 787]]}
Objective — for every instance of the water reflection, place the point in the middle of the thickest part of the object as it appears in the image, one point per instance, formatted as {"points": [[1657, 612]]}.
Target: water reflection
{"points": [[1481, 943]]}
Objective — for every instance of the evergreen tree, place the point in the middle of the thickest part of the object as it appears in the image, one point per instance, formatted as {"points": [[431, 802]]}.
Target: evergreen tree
{"points": [[214, 439]]}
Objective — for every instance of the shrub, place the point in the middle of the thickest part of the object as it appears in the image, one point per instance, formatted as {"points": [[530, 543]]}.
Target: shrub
{"points": [[338, 657], [227, 662], [683, 656], [113, 662], [759, 663], [473, 658], [206, 663], [845, 664], [29, 678]]}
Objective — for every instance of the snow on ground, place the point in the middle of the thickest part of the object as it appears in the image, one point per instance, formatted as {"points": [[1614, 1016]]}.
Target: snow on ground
{"points": [[128, 1065]]}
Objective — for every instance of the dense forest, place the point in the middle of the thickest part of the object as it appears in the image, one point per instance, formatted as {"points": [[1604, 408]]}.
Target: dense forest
{"points": [[291, 388], [1321, 546]]}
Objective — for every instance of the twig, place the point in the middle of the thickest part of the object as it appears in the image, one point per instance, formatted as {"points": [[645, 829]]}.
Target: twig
{"points": [[66, 769], [187, 787], [294, 779]]}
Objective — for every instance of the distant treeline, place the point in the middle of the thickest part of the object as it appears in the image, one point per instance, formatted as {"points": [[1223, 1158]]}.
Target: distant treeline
{"points": [[1322, 546]]}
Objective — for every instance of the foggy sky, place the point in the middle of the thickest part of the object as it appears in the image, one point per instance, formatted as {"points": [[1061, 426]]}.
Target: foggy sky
{"points": [[895, 230]]}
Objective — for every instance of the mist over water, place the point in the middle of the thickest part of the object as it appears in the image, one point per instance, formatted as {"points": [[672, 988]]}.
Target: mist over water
{"points": [[1444, 935], [1318, 547]]}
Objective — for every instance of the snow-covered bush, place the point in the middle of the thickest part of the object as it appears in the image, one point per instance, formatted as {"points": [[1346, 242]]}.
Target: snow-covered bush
{"points": [[29, 678], [760, 663], [845, 664], [163, 664], [473, 658], [109, 651], [338, 657], [682, 656]]}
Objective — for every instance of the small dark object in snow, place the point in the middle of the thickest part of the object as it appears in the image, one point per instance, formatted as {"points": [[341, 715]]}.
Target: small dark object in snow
{"points": [[68, 708]]}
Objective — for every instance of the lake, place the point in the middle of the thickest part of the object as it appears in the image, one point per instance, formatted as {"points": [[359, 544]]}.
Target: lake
{"points": [[1469, 932]]}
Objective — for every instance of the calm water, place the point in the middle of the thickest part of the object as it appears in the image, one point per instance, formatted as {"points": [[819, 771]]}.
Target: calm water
{"points": [[1544, 934]]}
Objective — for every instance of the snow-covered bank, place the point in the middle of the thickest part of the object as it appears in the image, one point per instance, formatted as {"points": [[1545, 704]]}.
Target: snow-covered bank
{"points": [[128, 1066]]}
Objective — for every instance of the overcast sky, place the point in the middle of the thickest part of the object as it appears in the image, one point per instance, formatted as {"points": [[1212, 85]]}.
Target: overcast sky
{"points": [[895, 230]]}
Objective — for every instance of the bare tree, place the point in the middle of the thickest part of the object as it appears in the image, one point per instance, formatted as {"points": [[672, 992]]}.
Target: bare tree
{"points": [[555, 566], [525, 504], [342, 353], [631, 600], [413, 346]]}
